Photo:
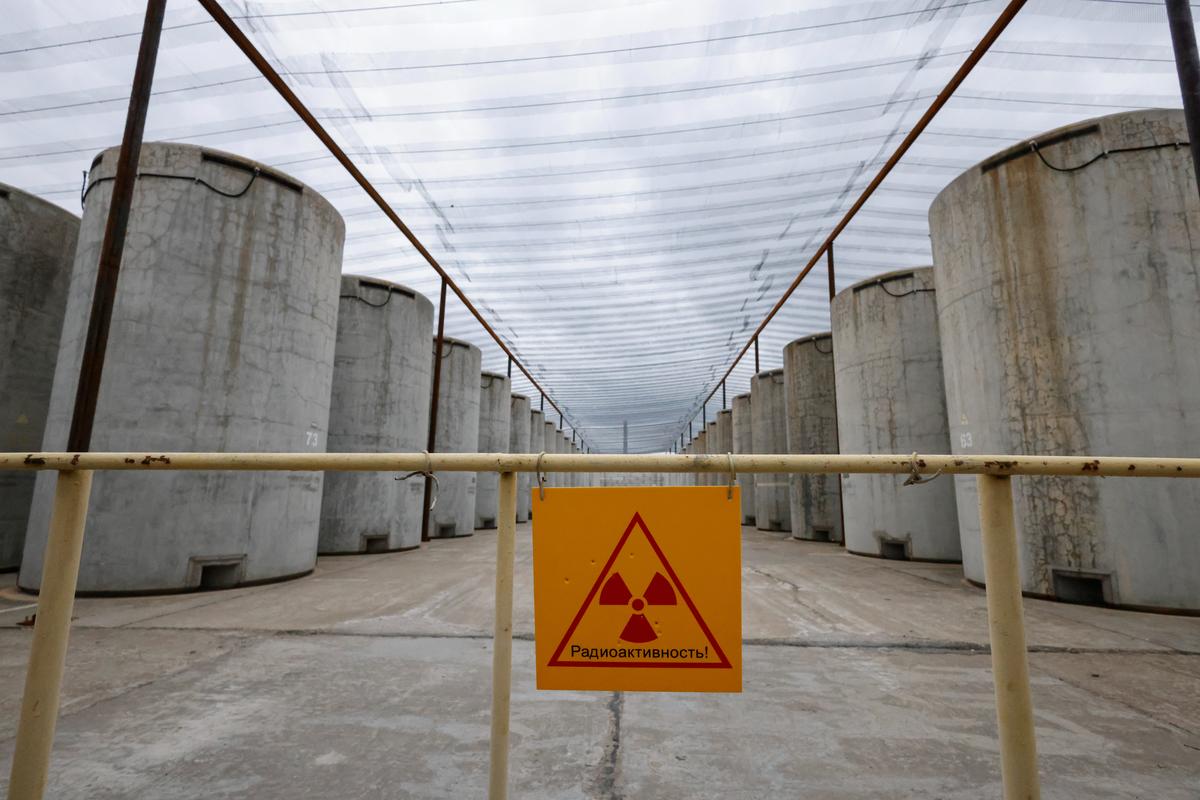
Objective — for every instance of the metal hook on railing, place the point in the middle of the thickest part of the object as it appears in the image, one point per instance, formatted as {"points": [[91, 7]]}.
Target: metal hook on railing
{"points": [[914, 476], [428, 473], [541, 476], [732, 478]]}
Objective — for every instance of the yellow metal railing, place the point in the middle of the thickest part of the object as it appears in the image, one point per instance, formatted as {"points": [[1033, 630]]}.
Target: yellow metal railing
{"points": [[1006, 627]]}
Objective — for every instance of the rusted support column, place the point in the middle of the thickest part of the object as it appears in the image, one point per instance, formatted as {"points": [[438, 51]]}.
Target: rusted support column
{"points": [[87, 392], [433, 407], [1006, 627], [829, 265], [1187, 64]]}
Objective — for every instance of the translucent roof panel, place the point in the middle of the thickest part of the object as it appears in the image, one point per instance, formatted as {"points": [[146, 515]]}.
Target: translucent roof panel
{"points": [[624, 189]]}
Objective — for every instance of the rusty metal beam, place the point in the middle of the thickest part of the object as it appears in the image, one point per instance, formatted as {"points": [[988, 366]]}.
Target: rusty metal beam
{"points": [[832, 281], [272, 76], [993, 33], [1187, 65], [87, 391]]}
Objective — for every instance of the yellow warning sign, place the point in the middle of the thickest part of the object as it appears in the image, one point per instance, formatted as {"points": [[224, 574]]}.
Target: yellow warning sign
{"points": [[638, 589]]}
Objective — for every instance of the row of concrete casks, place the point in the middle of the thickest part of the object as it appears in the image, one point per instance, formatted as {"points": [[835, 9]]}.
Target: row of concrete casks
{"points": [[233, 330], [1060, 318]]}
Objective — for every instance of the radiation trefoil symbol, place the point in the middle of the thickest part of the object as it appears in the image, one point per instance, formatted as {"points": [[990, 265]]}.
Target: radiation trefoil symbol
{"points": [[658, 593], [685, 643]]}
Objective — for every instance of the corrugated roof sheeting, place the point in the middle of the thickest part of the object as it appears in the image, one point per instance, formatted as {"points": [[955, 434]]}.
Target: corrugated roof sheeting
{"points": [[623, 188]]}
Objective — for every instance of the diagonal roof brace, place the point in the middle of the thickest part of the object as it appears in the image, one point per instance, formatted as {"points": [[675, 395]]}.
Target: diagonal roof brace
{"points": [[244, 44]]}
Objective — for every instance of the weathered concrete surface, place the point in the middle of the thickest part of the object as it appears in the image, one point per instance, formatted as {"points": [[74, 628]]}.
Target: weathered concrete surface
{"points": [[568, 478], [1069, 310], [891, 399], [495, 423], [37, 248], [457, 432], [812, 428], [371, 678], [743, 442], [549, 445], [519, 425], [768, 433], [712, 444], [222, 339], [380, 404], [537, 443]]}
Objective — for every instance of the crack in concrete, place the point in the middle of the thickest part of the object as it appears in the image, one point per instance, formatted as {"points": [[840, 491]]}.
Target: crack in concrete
{"points": [[920, 645], [69, 709], [604, 787], [798, 596], [1141, 712]]}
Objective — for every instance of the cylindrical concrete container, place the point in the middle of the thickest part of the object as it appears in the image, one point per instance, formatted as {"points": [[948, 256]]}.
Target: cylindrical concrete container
{"points": [[721, 442], [700, 448], [712, 446], [37, 248], [495, 422], [1068, 291], [812, 428], [891, 399], [768, 432], [535, 444], [743, 442], [222, 339], [453, 513], [570, 479], [687, 478], [550, 440], [380, 404], [518, 442]]}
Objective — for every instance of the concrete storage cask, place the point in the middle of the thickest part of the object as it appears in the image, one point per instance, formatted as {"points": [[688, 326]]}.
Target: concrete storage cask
{"points": [[1069, 304], [495, 421], [768, 431], [700, 448], [722, 438], [812, 428], [518, 442], [712, 446], [743, 442], [380, 404], [891, 399], [37, 248], [566, 448], [457, 432], [550, 439], [536, 444], [222, 339]]}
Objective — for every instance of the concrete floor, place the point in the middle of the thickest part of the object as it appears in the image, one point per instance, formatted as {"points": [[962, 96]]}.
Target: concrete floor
{"points": [[371, 679]]}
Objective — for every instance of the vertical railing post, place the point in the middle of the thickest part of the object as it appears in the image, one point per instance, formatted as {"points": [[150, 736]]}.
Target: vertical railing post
{"points": [[51, 630], [1006, 628], [502, 638]]}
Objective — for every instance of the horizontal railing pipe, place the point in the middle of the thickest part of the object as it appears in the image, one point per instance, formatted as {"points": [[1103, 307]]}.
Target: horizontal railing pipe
{"points": [[1084, 466]]}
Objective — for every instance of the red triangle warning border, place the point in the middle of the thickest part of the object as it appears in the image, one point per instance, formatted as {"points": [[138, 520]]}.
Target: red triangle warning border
{"points": [[556, 660]]}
